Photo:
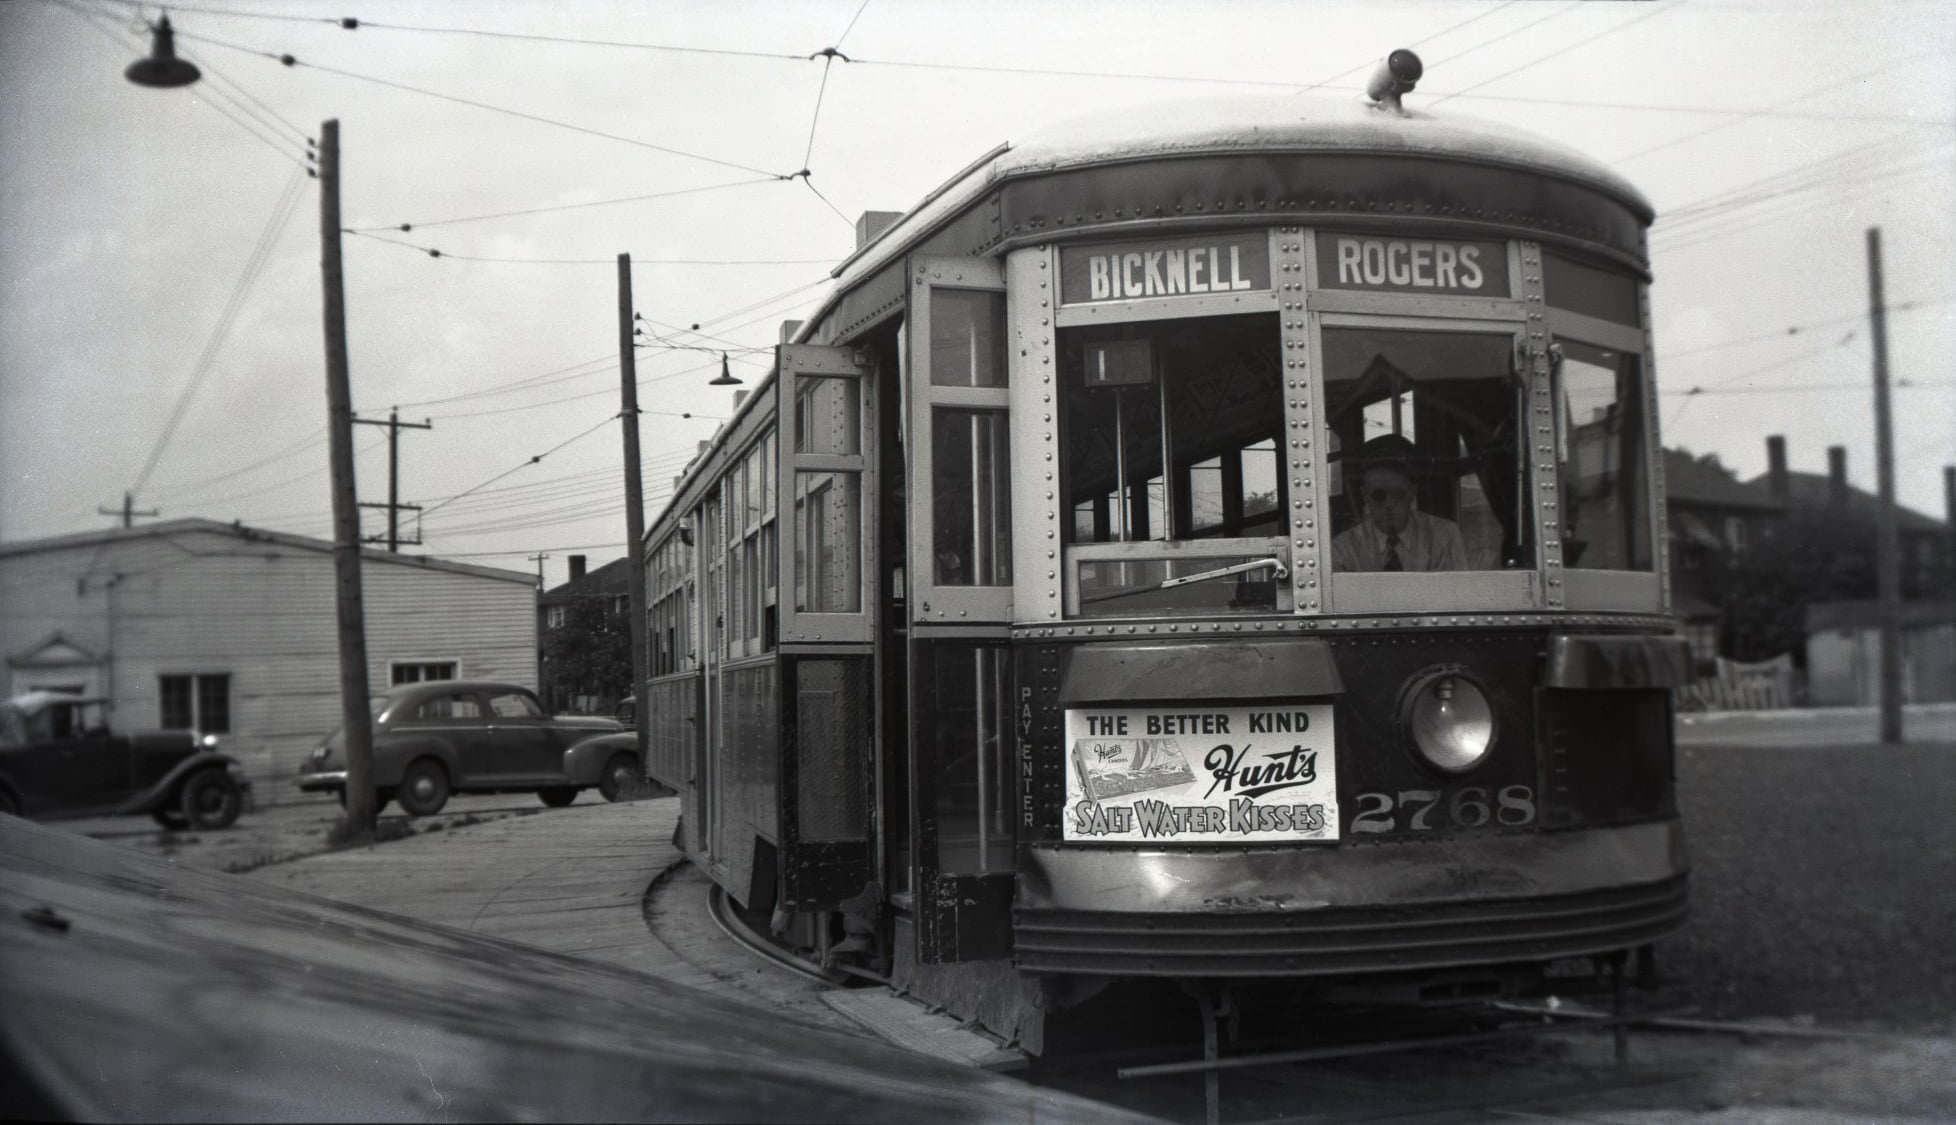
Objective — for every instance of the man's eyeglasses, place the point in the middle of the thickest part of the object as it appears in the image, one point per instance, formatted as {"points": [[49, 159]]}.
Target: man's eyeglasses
{"points": [[1383, 495]]}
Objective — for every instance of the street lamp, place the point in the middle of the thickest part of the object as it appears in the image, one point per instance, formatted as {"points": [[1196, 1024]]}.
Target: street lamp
{"points": [[726, 378], [162, 69]]}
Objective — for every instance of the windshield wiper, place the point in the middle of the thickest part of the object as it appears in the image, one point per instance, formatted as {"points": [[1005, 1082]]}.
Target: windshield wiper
{"points": [[1276, 565]]}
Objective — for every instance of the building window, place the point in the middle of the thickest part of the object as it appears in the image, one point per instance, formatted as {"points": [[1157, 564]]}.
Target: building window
{"points": [[201, 703], [420, 671], [1703, 636]]}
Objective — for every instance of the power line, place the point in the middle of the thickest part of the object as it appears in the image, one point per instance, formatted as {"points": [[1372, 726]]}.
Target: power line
{"points": [[301, 446], [292, 61], [1902, 384], [1887, 68], [274, 225], [1795, 329]]}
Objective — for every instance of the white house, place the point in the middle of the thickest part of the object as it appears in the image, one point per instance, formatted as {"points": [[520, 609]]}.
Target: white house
{"points": [[230, 630]]}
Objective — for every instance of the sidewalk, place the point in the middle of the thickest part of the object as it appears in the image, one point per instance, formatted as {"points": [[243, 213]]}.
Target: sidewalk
{"points": [[572, 881]]}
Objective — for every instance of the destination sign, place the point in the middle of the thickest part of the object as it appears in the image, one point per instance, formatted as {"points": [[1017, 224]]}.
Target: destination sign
{"points": [[1180, 267], [1412, 265], [1209, 775]]}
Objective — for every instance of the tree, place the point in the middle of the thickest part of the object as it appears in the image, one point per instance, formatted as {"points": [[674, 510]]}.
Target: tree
{"points": [[1813, 556], [589, 654]]}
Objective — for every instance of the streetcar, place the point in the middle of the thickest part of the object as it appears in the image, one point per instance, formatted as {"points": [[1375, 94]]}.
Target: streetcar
{"points": [[1206, 550]]}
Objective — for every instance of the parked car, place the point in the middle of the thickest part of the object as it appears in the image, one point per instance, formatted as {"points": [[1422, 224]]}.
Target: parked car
{"points": [[58, 758], [468, 736]]}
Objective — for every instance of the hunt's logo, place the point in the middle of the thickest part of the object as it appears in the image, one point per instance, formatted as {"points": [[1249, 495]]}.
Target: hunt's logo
{"points": [[1284, 769]]}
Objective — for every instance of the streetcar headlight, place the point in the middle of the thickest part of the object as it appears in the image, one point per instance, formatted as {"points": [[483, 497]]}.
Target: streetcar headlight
{"points": [[1451, 722]]}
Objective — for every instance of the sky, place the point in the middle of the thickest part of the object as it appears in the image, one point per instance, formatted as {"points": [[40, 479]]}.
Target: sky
{"points": [[160, 325]]}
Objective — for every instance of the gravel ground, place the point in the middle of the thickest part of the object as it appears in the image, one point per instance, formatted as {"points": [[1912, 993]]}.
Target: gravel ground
{"points": [[1823, 885]]}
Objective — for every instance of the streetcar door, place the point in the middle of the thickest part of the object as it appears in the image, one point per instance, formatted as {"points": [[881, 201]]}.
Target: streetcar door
{"points": [[827, 410], [712, 571], [962, 781]]}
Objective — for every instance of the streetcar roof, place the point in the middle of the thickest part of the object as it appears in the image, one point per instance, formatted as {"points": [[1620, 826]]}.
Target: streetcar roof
{"points": [[1290, 123], [1219, 126]]}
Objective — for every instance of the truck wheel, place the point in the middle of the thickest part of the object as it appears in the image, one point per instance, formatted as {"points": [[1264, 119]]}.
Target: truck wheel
{"points": [[171, 819], [619, 781], [424, 788], [211, 800], [557, 798]]}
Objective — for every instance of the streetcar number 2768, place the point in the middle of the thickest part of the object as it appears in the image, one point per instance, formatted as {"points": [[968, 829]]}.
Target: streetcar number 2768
{"points": [[1428, 810]]}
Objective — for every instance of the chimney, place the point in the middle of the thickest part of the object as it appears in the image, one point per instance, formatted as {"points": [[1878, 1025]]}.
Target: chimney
{"points": [[577, 567], [1776, 466], [788, 330], [874, 223], [740, 396], [1837, 476], [701, 450]]}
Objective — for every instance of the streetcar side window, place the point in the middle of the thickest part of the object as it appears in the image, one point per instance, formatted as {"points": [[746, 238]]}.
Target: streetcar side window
{"points": [[1600, 450], [1428, 472], [971, 489]]}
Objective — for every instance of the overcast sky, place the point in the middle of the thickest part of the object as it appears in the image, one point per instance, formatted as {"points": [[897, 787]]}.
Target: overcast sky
{"points": [[1771, 134]]}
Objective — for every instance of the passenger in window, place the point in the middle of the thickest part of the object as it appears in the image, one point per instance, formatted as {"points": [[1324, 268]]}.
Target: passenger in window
{"points": [[1392, 534]]}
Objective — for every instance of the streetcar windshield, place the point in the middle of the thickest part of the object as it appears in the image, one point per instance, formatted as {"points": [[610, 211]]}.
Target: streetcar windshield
{"points": [[1171, 433], [1426, 473]]}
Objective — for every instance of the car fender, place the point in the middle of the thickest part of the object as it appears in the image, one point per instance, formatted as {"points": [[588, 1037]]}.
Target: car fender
{"points": [[165, 789], [584, 760]]}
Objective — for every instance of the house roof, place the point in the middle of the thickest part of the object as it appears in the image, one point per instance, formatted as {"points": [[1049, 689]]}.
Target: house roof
{"points": [[606, 581], [164, 529], [1814, 490], [1705, 483]]}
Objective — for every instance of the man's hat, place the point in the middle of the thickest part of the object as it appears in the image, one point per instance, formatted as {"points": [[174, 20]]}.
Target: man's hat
{"points": [[1388, 451]]}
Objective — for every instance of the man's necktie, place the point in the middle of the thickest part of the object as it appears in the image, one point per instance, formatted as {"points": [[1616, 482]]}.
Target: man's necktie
{"points": [[1392, 554]]}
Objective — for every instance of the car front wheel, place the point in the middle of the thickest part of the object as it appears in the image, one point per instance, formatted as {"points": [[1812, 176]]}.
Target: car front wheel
{"points": [[211, 800], [620, 778], [557, 798], [424, 788]]}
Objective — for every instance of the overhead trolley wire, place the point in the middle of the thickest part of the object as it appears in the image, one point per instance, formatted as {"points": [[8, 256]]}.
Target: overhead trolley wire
{"points": [[434, 252], [526, 464], [274, 226], [214, 97], [1561, 52], [422, 223], [292, 61], [1370, 63]]}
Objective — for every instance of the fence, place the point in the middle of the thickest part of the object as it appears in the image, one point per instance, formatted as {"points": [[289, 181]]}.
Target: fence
{"points": [[1762, 686]]}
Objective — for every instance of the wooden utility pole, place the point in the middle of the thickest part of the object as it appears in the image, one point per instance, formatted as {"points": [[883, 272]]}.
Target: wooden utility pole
{"points": [[634, 506], [1888, 552], [394, 506], [356, 722], [128, 510]]}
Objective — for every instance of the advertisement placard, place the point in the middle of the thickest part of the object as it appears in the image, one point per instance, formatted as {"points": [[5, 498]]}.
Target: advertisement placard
{"points": [[1260, 773]]}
